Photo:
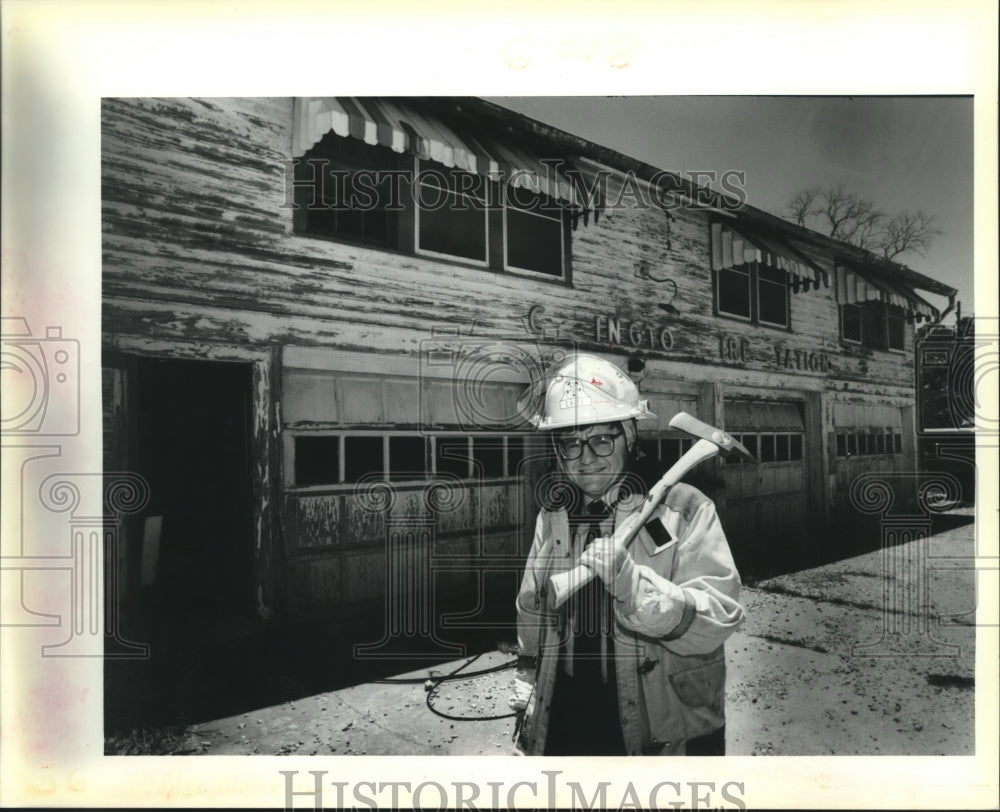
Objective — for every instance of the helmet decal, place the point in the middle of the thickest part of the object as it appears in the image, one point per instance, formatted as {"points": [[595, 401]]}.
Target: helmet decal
{"points": [[573, 395]]}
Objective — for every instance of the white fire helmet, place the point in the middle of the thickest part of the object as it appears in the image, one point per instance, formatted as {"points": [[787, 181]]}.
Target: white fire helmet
{"points": [[583, 390]]}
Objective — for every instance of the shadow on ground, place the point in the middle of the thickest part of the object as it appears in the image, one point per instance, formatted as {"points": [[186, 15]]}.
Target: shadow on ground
{"points": [[196, 674], [844, 540]]}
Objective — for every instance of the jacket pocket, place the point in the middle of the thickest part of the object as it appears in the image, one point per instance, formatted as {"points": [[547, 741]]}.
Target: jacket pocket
{"points": [[701, 685]]}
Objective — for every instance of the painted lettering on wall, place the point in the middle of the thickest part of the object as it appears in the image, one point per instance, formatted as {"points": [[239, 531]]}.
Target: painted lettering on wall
{"points": [[737, 350], [621, 332], [734, 350], [801, 359], [541, 325]]}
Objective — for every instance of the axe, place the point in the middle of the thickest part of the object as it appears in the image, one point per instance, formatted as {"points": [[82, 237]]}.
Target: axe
{"points": [[711, 441]]}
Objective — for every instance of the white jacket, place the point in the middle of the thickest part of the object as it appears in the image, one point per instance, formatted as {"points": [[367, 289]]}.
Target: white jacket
{"points": [[677, 605]]}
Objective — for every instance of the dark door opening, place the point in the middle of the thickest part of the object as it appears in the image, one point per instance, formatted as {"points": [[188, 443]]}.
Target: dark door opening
{"points": [[192, 444], [186, 566]]}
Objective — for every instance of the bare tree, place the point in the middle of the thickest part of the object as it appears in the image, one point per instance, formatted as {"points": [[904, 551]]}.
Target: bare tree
{"points": [[908, 231], [856, 220], [803, 205]]}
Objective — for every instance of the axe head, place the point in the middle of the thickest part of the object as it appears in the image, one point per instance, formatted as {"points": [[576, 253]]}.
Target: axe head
{"points": [[726, 442]]}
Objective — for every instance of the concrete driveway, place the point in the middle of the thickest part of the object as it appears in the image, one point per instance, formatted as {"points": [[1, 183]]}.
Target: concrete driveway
{"points": [[870, 655]]}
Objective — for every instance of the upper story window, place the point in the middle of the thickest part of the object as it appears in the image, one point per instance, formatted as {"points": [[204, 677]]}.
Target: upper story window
{"points": [[874, 312], [754, 276], [877, 325], [753, 292], [382, 173], [344, 189], [451, 213], [535, 233]]}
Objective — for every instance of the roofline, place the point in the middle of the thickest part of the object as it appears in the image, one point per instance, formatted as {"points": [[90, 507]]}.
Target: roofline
{"points": [[512, 122], [847, 252]]}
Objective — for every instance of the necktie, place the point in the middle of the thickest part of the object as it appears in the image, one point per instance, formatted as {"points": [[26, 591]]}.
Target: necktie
{"points": [[590, 608]]}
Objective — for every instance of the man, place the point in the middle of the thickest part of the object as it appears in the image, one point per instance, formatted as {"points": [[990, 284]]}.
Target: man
{"points": [[633, 663]]}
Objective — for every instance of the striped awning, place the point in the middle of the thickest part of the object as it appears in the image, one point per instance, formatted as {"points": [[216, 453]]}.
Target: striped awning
{"points": [[403, 128], [731, 248], [854, 287]]}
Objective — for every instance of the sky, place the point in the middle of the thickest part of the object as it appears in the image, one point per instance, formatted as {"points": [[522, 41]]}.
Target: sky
{"points": [[902, 153]]}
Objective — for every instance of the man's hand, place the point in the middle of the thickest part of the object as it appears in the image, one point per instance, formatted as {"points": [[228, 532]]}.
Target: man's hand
{"points": [[523, 684], [605, 557], [610, 561], [520, 693]]}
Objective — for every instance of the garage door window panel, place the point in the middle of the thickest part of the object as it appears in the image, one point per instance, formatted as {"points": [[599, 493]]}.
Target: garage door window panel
{"points": [[452, 456], [515, 455], [795, 447], [363, 457], [487, 457], [734, 459], [781, 450], [767, 453], [317, 460], [339, 459], [407, 458], [869, 442], [772, 431]]}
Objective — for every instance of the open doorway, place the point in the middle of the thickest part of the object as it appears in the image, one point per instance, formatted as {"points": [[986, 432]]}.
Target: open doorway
{"points": [[187, 561], [192, 443]]}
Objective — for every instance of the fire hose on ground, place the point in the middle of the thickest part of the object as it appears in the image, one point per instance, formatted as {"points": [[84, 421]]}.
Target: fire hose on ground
{"points": [[432, 683]]}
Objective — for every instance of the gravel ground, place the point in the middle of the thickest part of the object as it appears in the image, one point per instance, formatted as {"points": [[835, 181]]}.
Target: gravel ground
{"points": [[831, 660]]}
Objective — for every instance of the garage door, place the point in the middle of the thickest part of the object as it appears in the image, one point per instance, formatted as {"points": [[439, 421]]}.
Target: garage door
{"points": [[769, 499], [869, 440]]}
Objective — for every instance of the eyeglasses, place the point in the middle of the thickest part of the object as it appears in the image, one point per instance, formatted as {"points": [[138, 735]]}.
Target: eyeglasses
{"points": [[571, 448]]}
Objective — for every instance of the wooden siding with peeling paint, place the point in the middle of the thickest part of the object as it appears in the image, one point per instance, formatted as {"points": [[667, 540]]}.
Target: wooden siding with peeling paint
{"points": [[198, 245], [199, 254]]}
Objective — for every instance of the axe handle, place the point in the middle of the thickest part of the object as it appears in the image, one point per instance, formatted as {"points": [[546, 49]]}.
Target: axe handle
{"points": [[563, 584]]}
